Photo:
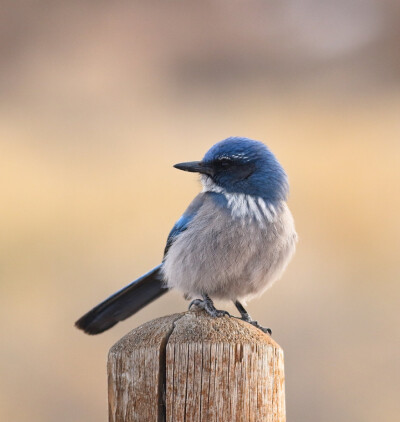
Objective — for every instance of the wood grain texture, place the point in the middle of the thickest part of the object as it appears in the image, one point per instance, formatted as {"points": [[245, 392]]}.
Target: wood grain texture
{"points": [[136, 368], [193, 368]]}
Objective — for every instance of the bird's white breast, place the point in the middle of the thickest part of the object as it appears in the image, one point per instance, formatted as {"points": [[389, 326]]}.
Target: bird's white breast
{"points": [[247, 208]]}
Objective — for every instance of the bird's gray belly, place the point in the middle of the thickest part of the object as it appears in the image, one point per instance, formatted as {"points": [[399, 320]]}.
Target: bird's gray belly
{"points": [[229, 258]]}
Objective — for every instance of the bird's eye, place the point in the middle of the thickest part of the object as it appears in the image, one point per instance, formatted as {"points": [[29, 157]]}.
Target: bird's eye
{"points": [[225, 162]]}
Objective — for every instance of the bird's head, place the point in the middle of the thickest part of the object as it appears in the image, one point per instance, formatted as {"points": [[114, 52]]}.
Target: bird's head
{"points": [[241, 165]]}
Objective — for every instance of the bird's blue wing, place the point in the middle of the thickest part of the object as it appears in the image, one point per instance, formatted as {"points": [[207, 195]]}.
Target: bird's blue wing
{"points": [[182, 224]]}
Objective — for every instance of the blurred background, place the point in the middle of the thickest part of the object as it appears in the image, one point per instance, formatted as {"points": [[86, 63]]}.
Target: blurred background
{"points": [[100, 99]]}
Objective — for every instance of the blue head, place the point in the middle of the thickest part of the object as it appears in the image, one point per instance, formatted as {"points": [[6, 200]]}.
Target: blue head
{"points": [[241, 165]]}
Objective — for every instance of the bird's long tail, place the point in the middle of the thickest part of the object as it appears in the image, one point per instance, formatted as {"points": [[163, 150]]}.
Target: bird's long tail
{"points": [[123, 303]]}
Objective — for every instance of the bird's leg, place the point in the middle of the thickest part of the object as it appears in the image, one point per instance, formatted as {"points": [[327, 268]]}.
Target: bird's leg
{"points": [[210, 308], [208, 305], [246, 317]]}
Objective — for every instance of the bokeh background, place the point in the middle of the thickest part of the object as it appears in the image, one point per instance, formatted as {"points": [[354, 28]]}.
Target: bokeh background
{"points": [[100, 99]]}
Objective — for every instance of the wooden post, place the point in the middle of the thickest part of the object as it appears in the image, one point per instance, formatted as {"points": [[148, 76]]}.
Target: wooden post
{"points": [[193, 368]]}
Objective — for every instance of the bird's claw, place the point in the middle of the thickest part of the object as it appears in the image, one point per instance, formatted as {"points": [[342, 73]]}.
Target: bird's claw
{"points": [[209, 307], [247, 318], [263, 329], [196, 302], [217, 313]]}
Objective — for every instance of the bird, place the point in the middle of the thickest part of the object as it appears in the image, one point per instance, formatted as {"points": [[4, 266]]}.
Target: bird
{"points": [[232, 243]]}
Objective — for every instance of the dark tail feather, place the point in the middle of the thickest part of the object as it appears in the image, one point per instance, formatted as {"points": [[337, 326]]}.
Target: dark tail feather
{"points": [[123, 303]]}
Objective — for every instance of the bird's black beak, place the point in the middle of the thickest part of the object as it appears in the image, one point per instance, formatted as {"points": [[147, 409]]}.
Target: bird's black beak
{"points": [[195, 167]]}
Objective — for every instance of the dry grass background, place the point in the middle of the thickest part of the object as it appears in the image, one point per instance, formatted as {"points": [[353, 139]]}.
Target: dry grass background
{"points": [[100, 99]]}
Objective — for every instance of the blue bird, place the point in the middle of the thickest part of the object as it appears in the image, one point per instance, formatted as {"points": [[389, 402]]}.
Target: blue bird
{"points": [[233, 241]]}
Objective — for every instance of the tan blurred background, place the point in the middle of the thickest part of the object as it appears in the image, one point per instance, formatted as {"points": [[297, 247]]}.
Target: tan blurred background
{"points": [[100, 99]]}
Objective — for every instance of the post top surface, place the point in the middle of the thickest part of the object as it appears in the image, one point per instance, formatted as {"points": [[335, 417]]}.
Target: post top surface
{"points": [[192, 327]]}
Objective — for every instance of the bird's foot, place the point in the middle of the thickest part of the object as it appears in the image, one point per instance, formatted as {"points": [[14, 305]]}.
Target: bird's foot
{"points": [[257, 325], [207, 304], [247, 318]]}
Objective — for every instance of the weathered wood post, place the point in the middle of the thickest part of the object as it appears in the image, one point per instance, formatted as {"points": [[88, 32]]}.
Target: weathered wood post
{"points": [[190, 367]]}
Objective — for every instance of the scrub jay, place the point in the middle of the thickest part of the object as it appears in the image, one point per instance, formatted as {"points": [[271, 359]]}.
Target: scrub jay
{"points": [[233, 241]]}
